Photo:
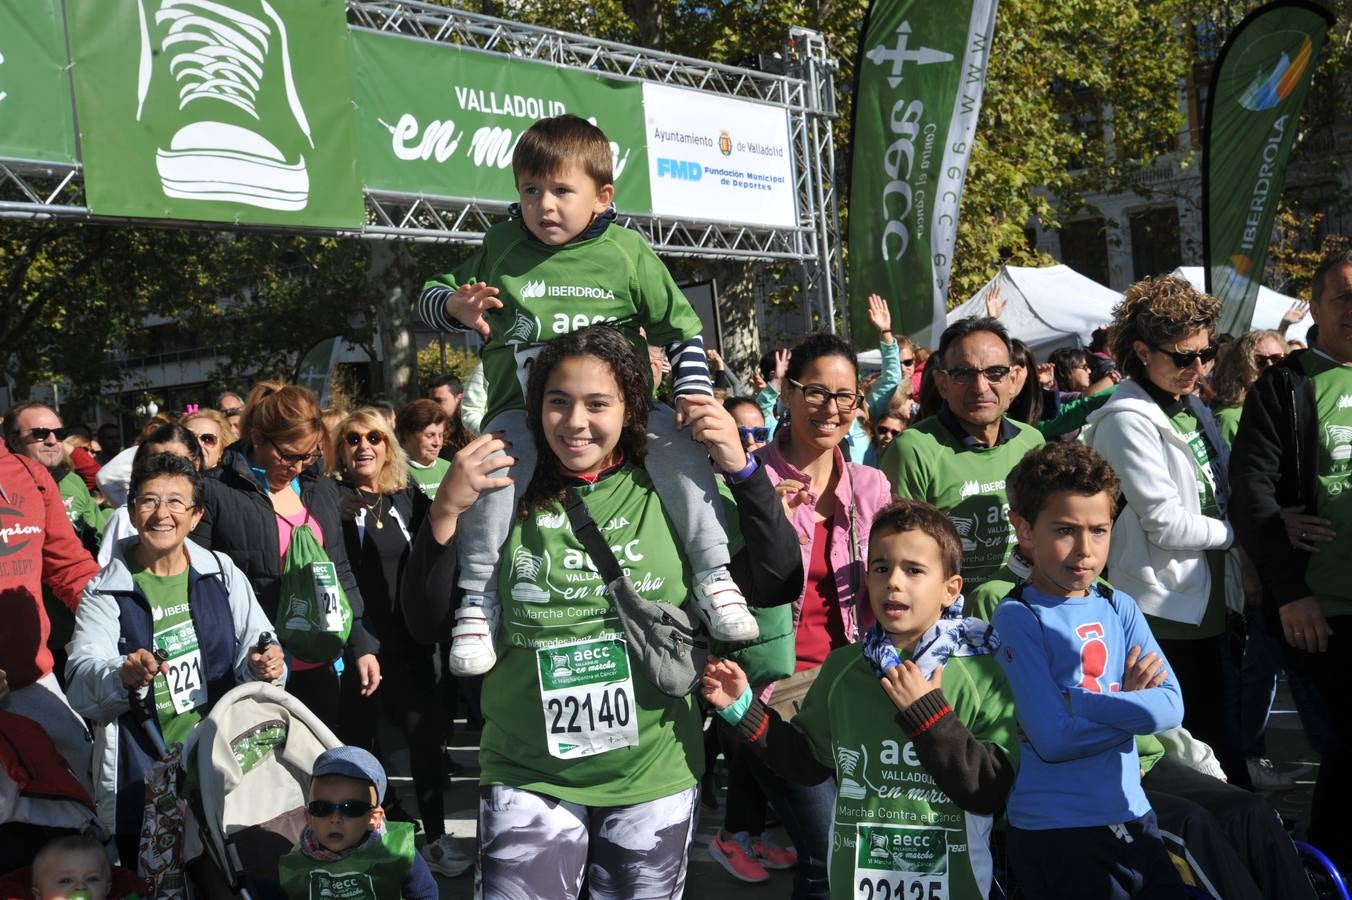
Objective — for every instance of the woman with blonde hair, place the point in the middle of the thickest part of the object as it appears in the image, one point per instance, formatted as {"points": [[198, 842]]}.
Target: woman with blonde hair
{"points": [[1170, 543], [382, 508], [213, 433], [1236, 371], [269, 485]]}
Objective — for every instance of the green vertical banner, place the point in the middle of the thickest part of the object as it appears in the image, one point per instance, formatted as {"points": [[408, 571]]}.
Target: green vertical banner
{"points": [[1257, 90], [443, 121], [37, 120], [233, 111], [920, 75]]}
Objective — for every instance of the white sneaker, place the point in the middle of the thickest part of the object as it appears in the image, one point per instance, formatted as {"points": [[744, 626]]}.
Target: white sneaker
{"points": [[221, 59], [446, 858], [1266, 777], [472, 650], [720, 603]]}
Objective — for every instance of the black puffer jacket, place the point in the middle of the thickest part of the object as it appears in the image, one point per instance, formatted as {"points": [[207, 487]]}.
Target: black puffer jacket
{"points": [[239, 521], [1274, 464]]}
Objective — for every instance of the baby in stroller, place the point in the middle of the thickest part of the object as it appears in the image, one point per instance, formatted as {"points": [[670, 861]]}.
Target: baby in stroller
{"points": [[347, 848]]}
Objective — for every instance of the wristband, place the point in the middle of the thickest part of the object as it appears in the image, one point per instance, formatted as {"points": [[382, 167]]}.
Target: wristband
{"points": [[752, 464], [736, 710]]}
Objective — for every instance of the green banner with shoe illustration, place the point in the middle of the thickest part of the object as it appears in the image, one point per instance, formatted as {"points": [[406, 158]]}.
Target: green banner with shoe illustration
{"points": [[278, 113], [236, 111], [454, 135], [33, 83]]}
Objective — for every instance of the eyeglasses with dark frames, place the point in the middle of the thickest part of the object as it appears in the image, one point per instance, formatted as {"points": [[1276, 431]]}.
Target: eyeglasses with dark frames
{"points": [[1263, 360], [1183, 360], [966, 374], [295, 459], [348, 809], [40, 435], [816, 396]]}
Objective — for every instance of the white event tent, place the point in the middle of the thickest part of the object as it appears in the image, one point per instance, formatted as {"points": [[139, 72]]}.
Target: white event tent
{"points": [[1267, 312]]}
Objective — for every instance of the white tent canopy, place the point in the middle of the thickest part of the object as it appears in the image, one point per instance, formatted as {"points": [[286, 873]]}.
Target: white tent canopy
{"points": [[1046, 308], [1267, 312]]}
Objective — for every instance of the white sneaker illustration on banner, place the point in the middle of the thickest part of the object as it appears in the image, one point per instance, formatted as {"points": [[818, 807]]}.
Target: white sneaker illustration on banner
{"points": [[849, 762], [526, 569], [221, 59]]}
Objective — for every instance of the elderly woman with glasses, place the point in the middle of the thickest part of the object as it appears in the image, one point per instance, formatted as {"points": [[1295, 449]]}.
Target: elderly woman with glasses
{"points": [[213, 433], [161, 634], [1171, 540], [269, 485], [382, 508]]}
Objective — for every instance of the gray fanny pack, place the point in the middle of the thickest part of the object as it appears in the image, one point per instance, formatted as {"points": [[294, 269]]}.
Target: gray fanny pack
{"points": [[665, 642]]}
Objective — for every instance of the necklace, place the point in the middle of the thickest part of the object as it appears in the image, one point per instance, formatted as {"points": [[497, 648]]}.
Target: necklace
{"points": [[374, 510]]}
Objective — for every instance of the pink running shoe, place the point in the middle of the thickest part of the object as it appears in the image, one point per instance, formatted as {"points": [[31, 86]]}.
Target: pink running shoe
{"points": [[733, 852], [771, 855]]}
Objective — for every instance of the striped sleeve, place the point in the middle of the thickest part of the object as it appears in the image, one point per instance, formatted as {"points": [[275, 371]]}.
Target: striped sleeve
{"points": [[689, 368], [432, 308]]}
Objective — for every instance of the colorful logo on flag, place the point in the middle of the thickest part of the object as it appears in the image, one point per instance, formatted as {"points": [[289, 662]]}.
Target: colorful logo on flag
{"points": [[1271, 86]]}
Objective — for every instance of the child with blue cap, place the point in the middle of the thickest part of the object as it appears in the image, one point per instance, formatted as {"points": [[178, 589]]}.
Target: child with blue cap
{"points": [[347, 849]]}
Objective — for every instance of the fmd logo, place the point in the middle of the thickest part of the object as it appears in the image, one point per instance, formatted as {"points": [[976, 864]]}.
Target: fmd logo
{"points": [[679, 169]]}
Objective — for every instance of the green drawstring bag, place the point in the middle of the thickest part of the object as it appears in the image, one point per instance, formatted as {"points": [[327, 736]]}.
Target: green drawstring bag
{"points": [[313, 615], [770, 656]]}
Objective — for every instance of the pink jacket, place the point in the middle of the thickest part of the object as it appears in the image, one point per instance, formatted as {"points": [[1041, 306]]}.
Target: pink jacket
{"points": [[861, 492]]}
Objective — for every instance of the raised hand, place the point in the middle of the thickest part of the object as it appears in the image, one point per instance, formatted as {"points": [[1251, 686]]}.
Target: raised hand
{"points": [[905, 685], [470, 475], [995, 304], [781, 369], [469, 303], [723, 682], [880, 316]]}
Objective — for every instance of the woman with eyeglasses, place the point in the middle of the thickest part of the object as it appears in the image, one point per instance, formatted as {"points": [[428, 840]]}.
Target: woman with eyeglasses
{"points": [[382, 508], [269, 484], [161, 634], [169, 438], [1171, 541], [831, 503], [213, 433], [1237, 369]]}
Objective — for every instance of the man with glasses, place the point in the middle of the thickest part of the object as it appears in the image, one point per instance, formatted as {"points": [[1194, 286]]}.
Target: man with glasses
{"points": [[958, 459], [1291, 477], [231, 406], [38, 548], [34, 430]]}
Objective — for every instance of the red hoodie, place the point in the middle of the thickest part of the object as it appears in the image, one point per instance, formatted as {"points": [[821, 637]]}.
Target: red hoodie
{"points": [[37, 546]]}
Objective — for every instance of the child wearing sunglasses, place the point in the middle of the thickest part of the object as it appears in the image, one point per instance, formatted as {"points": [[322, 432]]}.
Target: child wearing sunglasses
{"points": [[348, 849]]}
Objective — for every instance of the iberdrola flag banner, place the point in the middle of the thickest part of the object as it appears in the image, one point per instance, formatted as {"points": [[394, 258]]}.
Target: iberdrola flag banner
{"points": [[1257, 90], [919, 78]]}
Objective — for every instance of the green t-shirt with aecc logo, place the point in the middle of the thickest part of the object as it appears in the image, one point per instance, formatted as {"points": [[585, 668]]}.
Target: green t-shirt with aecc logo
{"points": [[547, 292], [568, 713], [428, 478], [180, 689], [893, 825], [929, 462], [1213, 619], [1327, 571]]}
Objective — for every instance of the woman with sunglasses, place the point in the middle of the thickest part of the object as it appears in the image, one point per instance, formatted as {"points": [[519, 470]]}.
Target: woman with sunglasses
{"points": [[1171, 540], [831, 503], [382, 508], [269, 484], [161, 634], [1236, 370], [213, 433]]}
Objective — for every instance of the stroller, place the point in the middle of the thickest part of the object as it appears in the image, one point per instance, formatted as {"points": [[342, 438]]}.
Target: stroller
{"points": [[248, 772]]}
